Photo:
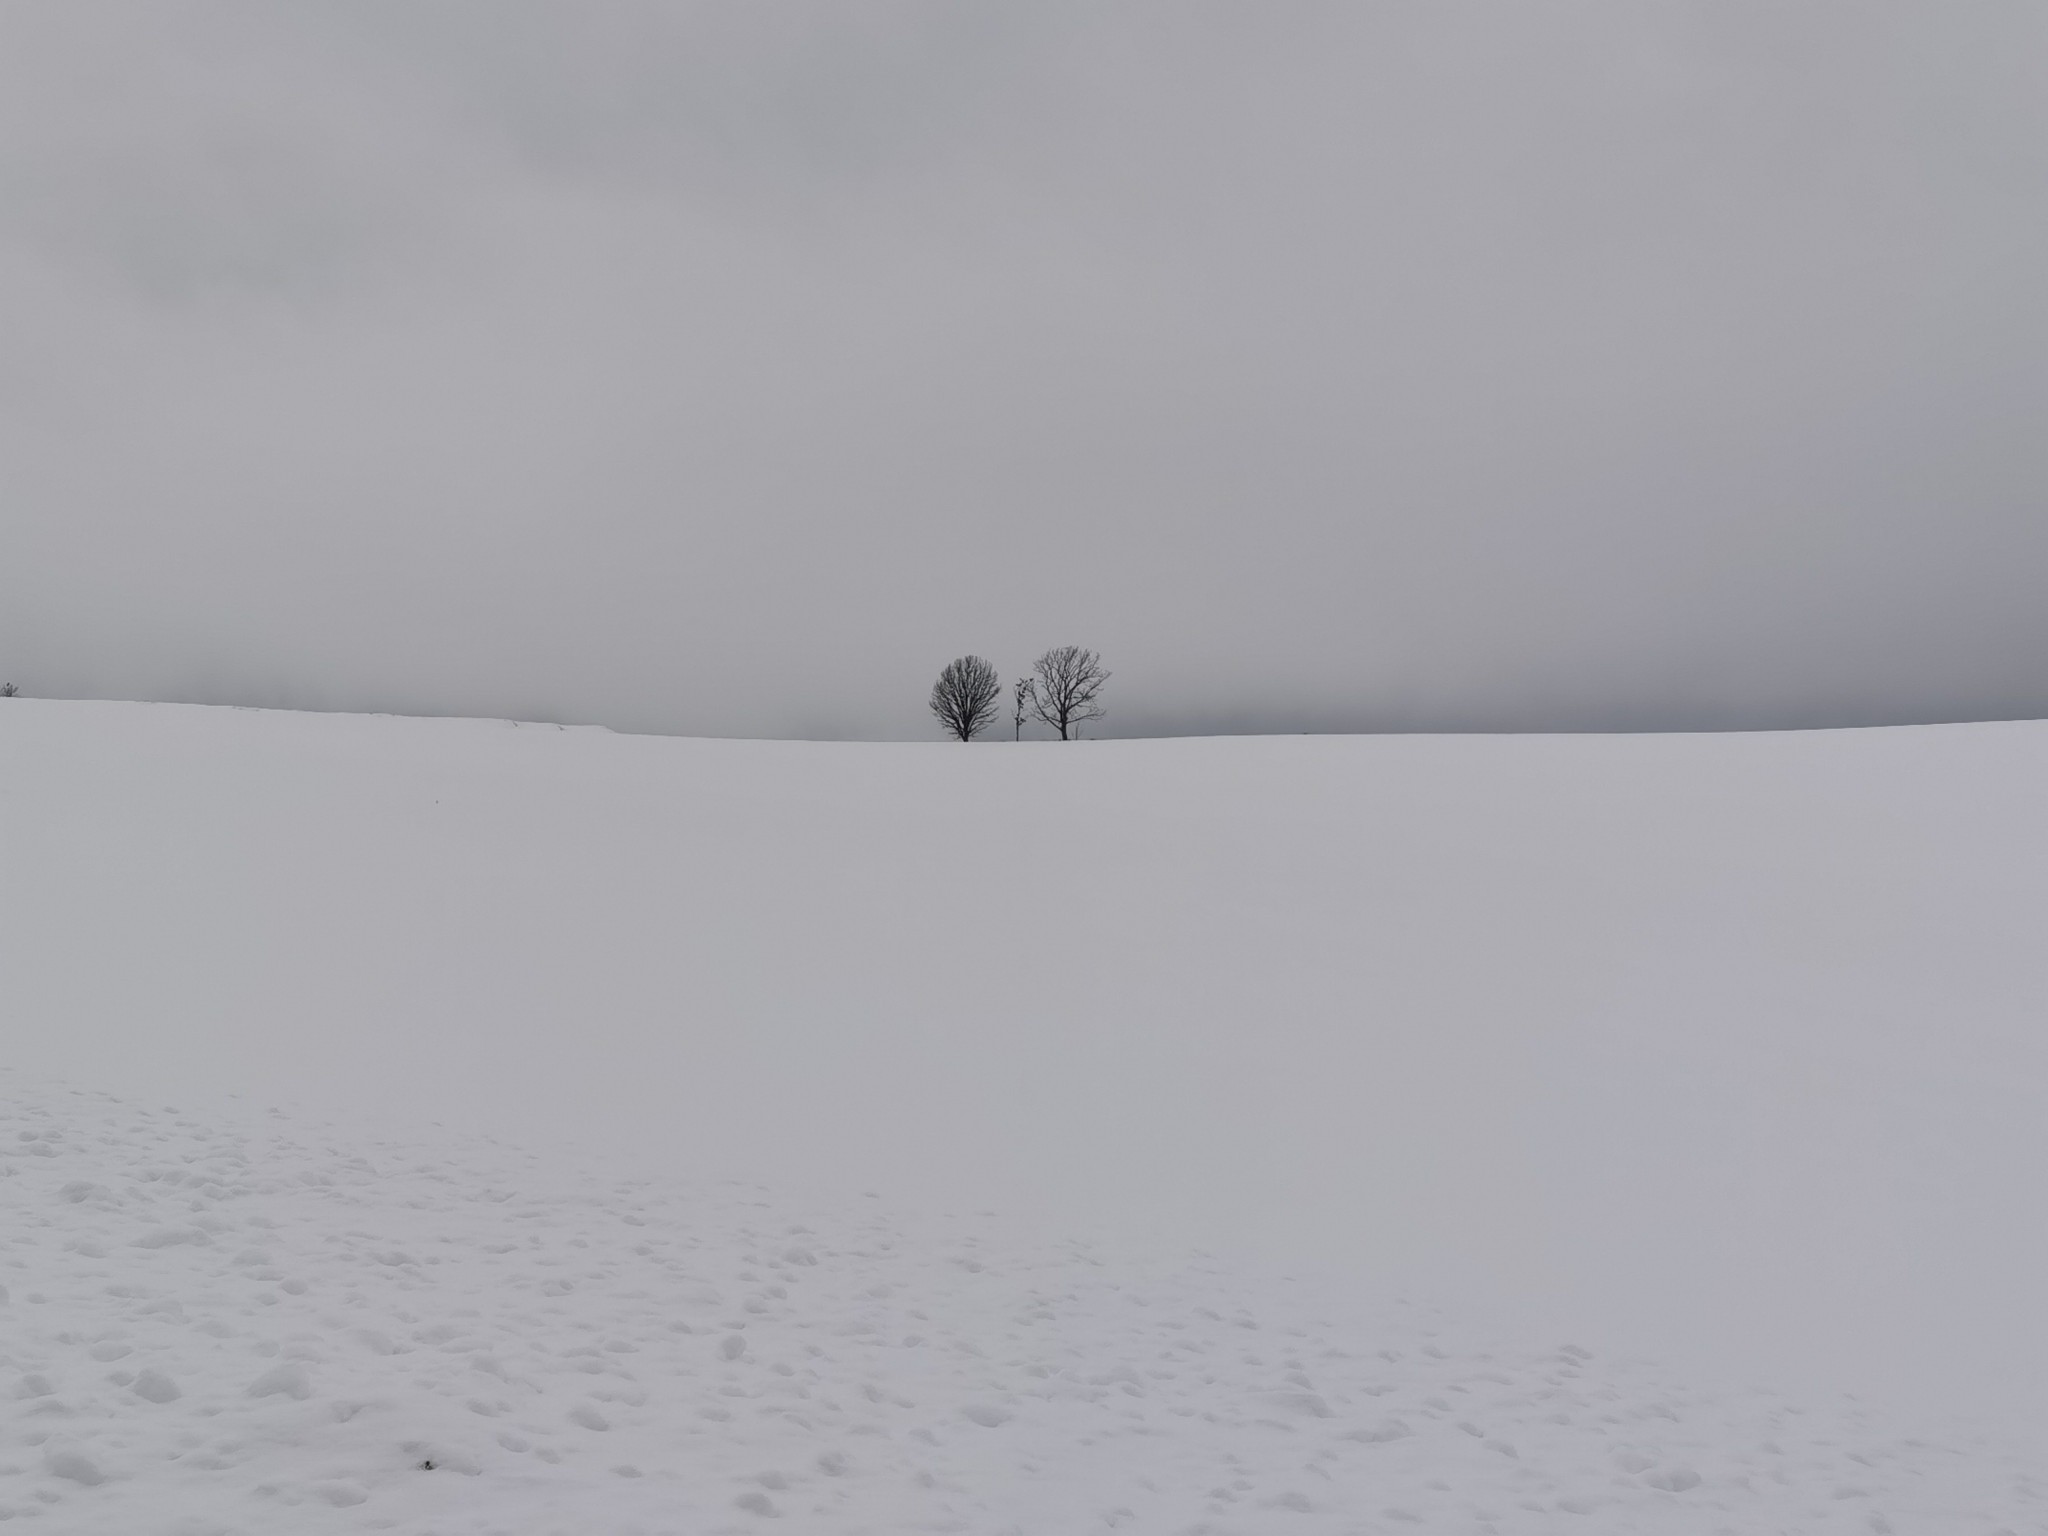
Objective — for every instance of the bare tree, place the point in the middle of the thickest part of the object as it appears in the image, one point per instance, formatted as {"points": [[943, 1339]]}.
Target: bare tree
{"points": [[1022, 695], [1064, 685], [964, 697]]}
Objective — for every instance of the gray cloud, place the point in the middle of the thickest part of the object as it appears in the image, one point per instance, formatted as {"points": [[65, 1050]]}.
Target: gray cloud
{"points": [[728, 369]]}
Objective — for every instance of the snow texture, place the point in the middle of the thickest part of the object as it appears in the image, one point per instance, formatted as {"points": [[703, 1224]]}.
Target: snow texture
{"points": [[446, 1334]]}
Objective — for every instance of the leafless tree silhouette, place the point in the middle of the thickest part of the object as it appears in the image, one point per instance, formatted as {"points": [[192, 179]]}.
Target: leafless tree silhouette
{"points": [[1022, 694], [1065, 681], [964, 697]]}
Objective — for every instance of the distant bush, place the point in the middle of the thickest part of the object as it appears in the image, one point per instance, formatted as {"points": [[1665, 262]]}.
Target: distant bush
{"points": [[8, 690]]}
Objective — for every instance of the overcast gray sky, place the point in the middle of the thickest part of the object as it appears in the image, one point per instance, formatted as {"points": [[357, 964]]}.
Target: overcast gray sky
{"points": [[728, 368]]}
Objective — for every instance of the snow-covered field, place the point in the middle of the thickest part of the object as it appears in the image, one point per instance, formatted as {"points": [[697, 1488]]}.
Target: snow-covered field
{"points": [[663, 1135], [256, 1325]]}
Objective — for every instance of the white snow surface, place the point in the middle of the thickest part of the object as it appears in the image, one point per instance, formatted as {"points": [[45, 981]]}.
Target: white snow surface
{"points": [[243, 1324], [858, 1137]]}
